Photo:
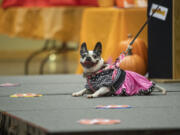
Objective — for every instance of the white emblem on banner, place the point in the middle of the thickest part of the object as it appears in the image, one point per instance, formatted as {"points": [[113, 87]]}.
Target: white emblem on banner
{"points": [[161, 13]]}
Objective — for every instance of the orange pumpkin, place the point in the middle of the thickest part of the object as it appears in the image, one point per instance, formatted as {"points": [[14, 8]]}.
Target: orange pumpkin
{"points": [[139, 47], [133, 62]]}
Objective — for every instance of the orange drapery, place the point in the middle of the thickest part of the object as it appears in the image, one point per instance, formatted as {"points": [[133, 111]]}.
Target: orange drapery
{"points": [[61, 24]]}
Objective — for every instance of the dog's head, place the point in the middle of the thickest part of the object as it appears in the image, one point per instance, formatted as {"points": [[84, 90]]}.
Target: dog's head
{"points": [[91, 60]]}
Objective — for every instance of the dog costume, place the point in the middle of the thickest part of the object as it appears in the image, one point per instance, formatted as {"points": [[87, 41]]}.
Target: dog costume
{"points": [[121, 82]]}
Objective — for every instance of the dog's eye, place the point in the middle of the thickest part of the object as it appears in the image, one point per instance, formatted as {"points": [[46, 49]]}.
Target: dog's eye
{"points": [[94, 56], [83, 55]]}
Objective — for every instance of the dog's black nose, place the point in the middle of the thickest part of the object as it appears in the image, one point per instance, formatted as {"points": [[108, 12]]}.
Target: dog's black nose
{"points": [[88, 59]]}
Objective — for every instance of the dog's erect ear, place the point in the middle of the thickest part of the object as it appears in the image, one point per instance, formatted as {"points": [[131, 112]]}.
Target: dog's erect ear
{"points": [[83, 48], [98, 48]]}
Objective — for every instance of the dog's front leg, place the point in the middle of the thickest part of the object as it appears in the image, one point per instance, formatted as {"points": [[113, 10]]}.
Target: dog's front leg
{"points": [[102, 91], [79, 93]]}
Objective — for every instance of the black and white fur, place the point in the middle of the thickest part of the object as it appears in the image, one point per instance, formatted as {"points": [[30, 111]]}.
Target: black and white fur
{"points": [[91, 62]]}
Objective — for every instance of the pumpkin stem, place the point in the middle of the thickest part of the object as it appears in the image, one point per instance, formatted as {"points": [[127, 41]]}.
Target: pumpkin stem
{"points": [[129, 49], [130, 35]]}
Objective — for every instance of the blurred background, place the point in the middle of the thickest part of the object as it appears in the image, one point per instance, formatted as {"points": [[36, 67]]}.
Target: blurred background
{"points": [[19, 38], [43, 36]]}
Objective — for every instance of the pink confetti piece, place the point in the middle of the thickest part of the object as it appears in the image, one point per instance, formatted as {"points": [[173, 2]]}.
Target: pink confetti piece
{"points": [[9, 84], [113, 106], [98, 121]]}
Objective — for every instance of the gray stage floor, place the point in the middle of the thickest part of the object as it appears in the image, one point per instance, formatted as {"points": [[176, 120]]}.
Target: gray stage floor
{"points": [[57, 112]]}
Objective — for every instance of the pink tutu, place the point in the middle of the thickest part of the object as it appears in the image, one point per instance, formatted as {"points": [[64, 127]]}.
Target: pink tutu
{"points": [[135, 84], [121, 82]]}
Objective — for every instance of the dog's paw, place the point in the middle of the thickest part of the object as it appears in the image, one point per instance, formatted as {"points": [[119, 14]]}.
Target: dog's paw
{"points": [[91, 96], [76, 94]]}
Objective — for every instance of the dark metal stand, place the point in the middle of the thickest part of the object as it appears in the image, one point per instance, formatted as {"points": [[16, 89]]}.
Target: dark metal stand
{"points": [[51, 47], [34, 54], [55, 50]]}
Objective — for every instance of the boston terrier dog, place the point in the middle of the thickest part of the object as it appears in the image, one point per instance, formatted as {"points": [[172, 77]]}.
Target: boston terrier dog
{"points": [[108, 79]]}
